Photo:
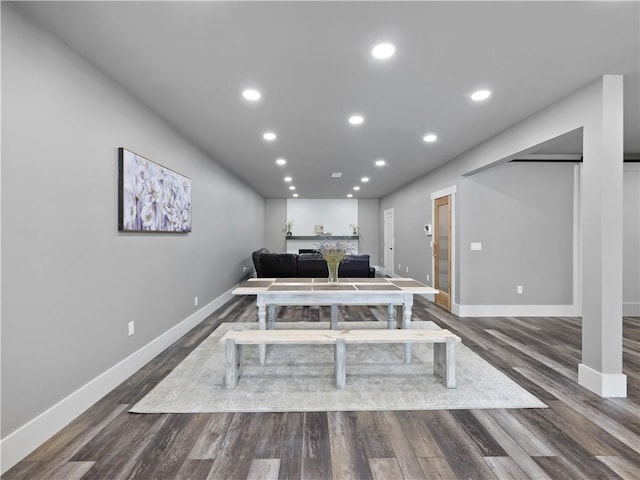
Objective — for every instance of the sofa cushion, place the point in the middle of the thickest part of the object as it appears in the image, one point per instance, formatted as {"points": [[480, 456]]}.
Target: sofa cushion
{"points": [[282, 265]]}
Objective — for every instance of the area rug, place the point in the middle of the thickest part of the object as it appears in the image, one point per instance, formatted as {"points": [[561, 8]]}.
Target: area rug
{"points": [[300, 378]]}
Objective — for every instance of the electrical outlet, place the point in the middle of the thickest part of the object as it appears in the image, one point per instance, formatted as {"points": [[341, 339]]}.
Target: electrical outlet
{"points": [[519, 289], [407, 269], [428, 277], [244, 269], [132, 328], [399, 267], [195, 301]]}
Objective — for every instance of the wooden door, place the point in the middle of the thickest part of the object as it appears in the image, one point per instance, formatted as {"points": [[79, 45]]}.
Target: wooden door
{"points": [[442, 251]]}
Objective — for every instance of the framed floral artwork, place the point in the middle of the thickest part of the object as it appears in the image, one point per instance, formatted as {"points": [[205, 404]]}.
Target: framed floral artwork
{"points": [[151, 198]]}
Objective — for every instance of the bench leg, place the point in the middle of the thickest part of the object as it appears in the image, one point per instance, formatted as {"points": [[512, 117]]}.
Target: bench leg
{"points": [[444, 362], [232, 355], [340, 364]]}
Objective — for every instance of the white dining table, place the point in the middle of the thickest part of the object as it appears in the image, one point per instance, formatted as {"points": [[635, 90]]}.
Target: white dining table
{"points": [[272, 292]]}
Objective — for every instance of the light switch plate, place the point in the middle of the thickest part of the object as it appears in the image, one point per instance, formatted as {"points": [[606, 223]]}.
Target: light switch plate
{"points": [[476, 246]]}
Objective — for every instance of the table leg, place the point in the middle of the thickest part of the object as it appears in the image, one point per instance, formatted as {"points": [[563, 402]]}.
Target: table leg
{"points": [[334, 317], [340, 364], [271, 316], [262, 325], [406, 323], [391, 319]]}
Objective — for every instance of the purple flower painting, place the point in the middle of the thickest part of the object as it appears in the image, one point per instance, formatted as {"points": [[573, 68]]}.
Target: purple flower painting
{"points": [[152, 198]]}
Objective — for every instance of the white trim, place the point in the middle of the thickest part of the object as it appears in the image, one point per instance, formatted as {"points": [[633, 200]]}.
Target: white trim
{"points": [[631, 309], [577, 238], [455, 308], [604, 384], [20, 443], [515, 310], [444, 192], [631, 167]]}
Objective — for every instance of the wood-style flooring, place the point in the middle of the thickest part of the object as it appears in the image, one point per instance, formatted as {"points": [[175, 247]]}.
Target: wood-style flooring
{"points": [[580, 435]]}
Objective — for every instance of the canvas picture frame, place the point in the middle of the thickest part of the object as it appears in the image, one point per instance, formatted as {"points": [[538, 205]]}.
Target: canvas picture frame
{"points": [[151, 197]]}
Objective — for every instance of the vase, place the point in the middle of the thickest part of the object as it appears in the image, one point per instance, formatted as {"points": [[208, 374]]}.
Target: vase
{"points": [[333, 272]]}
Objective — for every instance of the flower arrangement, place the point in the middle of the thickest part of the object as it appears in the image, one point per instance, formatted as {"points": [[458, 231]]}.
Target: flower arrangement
{"points": [[289, 225], [334, 252], [354, 229]]}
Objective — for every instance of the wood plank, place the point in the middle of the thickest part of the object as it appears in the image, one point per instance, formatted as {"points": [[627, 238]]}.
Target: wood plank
{"points": [[521, 435], [316, 451], [291, 448], [348, 452], [623, 467], [486, 445], [580, 460], [504, 467], [515, 452], [264, 469], [418, 434], [374, 435], [385, 469], [437, 469], [211, 438], [407, 460], [457, 448], [557, 468], [194, 469]]}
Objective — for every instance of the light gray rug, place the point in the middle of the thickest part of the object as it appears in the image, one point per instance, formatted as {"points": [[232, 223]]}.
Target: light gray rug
{"points": [[300, 378]]}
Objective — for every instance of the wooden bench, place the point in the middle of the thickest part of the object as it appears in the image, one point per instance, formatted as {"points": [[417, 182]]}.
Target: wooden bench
{"points": [[444, 351]]}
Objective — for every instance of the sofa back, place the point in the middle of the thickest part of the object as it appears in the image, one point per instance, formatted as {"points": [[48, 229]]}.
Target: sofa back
{"points": [[284, 265]]}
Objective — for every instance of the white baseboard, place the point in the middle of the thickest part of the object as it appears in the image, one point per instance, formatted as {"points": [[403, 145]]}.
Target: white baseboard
{"points": [[604, 384], [631, 309], [15, 446], [514, 310]]}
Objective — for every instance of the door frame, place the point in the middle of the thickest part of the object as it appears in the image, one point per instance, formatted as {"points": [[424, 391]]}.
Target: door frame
{"points": [[390, 212], [445, 192]]}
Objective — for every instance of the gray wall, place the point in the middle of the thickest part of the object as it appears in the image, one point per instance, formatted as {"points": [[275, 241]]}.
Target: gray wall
{"points": [[631, 241], [368, 223], [522, 213], [70, 281], [276, 216], [274, 224]]}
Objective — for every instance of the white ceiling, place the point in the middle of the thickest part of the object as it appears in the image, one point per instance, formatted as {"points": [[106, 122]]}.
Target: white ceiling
{"points": [[189, 62]]}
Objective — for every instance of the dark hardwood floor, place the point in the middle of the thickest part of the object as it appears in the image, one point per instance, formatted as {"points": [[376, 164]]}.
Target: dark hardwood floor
{"points": [[580, 435]]}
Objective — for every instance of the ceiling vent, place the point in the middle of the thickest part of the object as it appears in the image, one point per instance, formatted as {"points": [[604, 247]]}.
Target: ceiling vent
{"points": [[336, 174]]}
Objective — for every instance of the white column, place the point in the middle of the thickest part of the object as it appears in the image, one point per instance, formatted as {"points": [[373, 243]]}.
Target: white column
{"points": [[601, 367]]}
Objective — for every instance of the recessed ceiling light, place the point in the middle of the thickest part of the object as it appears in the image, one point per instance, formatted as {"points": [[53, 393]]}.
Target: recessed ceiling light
{"points": [[430, 137], [382, 51], [480, 95], [292, 187], [364, 179], [269, 136], [281, 161], [251, 94], [356, 188], [349, 195], [295, 195], [356, 119], [380, 163], [287, 179], [336, 174]]}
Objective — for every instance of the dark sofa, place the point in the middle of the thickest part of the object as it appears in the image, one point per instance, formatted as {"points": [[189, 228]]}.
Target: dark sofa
{"points": [[307, 265]]}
